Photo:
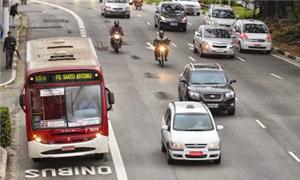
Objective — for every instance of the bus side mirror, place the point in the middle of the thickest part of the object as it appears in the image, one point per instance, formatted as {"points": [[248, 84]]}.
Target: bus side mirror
{"points": [[22, 101], [110, 99]]}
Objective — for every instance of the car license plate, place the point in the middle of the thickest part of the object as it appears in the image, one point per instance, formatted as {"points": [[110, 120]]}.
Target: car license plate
{"points": [[173, 24], [195, 153], [68, 148], [212, 105], [257, 45]]}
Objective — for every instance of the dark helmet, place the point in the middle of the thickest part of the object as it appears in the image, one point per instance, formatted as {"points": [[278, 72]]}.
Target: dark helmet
{"points": [[161, 33], [116, 23]]}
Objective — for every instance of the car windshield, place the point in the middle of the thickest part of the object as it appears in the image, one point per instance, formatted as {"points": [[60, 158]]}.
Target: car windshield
{"points": [[208, 77], [216, 33], [192, 122], [62, 107], [172, 9], [117, 1], [255, 28], [223, 13]]}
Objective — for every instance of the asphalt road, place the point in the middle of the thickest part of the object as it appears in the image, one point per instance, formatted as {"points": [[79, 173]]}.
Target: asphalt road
{"points": [[267, 91]]}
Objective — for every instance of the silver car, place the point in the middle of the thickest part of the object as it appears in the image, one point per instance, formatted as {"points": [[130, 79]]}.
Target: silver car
{"points": [[115, 8], [221, 15], [214, 40]]}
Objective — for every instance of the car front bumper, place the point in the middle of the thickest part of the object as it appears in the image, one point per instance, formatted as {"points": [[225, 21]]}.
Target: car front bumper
{"points": [[95, 146], [257, 46], [184, 155], [219, 51], [117, 12], [218, 105]]}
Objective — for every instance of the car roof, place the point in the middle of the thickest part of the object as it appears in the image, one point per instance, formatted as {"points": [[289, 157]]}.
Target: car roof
{"points": [[253, 21], [220, 6], [205, 66], [213, 26], [170, 2], [189, 107]]}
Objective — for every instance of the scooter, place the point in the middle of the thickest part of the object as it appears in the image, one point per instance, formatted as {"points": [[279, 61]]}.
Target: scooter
{"points": [[116, 42], [138, 5], [162, 55]]}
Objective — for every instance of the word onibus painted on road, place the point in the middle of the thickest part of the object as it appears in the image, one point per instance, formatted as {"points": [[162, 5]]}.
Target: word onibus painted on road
{"points": [[65, 99], [68, 171]]}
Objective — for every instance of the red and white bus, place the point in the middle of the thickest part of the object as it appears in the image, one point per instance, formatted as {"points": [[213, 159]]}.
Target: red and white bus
{"points": [[65, 99]]}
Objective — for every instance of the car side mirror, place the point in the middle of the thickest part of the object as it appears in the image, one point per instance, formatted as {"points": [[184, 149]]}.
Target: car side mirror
{"points": [[110, 98], [22, 101], [232, 81], [165, 128], [220, 127]]}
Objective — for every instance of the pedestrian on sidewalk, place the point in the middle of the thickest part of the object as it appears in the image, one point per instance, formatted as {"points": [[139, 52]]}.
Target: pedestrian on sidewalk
{"points": [[13, 12], [9, 47]]}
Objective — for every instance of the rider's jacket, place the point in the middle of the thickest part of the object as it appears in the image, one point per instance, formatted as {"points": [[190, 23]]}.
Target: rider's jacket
{"points": [[115, 29], [161, 41]]}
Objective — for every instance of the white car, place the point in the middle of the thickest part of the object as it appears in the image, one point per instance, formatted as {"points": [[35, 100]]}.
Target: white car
{"points": [[252, 35], [115, 8], [189, 132], [213, 40], [190, 6], [221, 15]]}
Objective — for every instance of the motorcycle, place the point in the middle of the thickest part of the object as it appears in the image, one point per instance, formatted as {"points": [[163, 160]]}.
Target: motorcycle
{"points": [[162, 54], [138, 5], [116, 42]]}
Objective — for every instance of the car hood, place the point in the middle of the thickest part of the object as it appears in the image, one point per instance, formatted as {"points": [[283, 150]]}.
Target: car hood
{"points": [[219, 41], [257, 35], [117, 5], [195, 137], [210, 89], [221, 21]]}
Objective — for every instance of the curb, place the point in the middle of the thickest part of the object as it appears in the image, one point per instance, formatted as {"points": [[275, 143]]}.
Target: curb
{"points": [[3, 162], [286, 54], [15, 58]]}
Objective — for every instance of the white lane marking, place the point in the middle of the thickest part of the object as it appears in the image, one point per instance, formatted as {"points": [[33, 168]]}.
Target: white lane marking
{"points": [[261, 124], [173, 44], [116, 155], [272, 74], [78, 19], [189, 23], [150, 46], [114, 148], [236, 99], [191, 58], [191, 48], [139, 15], [241, 59], [294, 156], [286, 60], [148, 23], [190, 44]]}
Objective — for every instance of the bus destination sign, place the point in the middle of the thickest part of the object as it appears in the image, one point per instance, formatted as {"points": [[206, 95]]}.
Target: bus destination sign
{"points": [[63, 77]]}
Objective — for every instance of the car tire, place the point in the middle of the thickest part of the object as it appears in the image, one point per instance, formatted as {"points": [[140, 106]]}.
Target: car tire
{"points": [[231, 56], [99, 156], [268, 52], [183, 29], [155, 25], [198, 14], [163, 148], [179, 96], [231, 112], [105, 15], [195, 50], [218, 161], [200, 52], [169, 158], [36, 160]]}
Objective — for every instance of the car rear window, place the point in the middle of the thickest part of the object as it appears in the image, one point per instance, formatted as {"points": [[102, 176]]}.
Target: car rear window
{"points": [[255, 28], [223, 13]]}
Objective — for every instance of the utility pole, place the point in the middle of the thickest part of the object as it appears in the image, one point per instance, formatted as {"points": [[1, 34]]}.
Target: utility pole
{"points": [[5, 17]]}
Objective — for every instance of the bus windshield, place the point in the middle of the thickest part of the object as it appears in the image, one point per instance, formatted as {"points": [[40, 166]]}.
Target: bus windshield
{"points": [[62, 107]]}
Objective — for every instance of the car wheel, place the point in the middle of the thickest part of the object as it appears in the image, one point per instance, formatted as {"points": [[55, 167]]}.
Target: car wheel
{"points": [[198, 14], [231, 112], [169, 158], [105, 15], [155, 25], [102, 14], [200, 52], [268, 52], [231, 56], [163, 148], [183, 29], [99, 156], [179, 96], [218, 161], [195, 48]]}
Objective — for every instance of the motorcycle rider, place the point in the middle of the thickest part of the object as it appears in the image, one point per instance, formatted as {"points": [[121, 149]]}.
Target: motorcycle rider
{"points": [[161, 40], [138, 3], [116, 28]]}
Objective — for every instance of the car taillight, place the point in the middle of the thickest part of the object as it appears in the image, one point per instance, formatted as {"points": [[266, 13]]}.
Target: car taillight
{"points": [[269, 38], [244, 36]]}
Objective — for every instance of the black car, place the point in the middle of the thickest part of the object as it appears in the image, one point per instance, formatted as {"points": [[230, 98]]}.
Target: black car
{"points": [[207, 83], [170, 15]]}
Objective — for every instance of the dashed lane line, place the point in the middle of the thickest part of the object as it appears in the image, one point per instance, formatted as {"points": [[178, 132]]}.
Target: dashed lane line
{"points": [[241, 59], [261, 124], [190, 44], [173, 44], [294, 156], [148, 23], [189, 23], [139, 15], [278, 77], [191, 58], [114, 148]]}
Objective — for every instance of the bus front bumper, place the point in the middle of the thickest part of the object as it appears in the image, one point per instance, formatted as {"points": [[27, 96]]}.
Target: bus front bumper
{"points": [[96, 146]]}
